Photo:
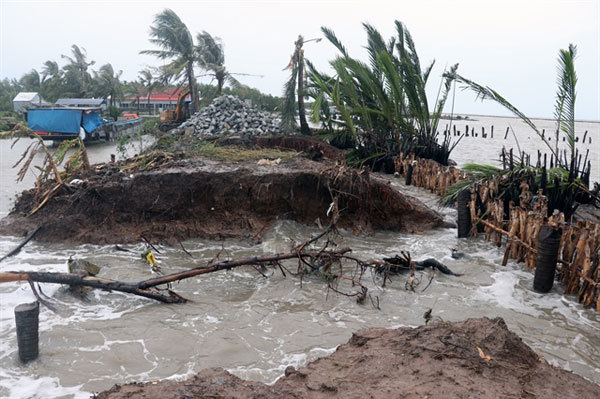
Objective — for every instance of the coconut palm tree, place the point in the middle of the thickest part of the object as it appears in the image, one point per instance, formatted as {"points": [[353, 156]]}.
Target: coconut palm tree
{"points": [[77, 78], [31, 81], [295, 85], [52, 80], [109, 84], [149, 83], [177, 45], [211, 58]]}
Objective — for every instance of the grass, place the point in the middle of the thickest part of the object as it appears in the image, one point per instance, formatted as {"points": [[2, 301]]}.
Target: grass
{"points": [[238, 154], [231, 153]]}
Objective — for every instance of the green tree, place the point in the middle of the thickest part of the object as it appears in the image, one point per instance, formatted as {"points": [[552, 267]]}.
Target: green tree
{"points": [[78, 81], [108, 83], [52, 80], [382, 104], [31, 81], [8, 90], [177, 45], [149, 83], [134, 89], [211, 57]]}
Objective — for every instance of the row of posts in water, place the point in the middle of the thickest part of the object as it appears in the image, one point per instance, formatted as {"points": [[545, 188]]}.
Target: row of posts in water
{"points": [[531, 236], [472, 133], [577, 166]]}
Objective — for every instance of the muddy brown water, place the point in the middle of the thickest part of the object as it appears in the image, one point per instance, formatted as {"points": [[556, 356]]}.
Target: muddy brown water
{"points": [[254, 326]]}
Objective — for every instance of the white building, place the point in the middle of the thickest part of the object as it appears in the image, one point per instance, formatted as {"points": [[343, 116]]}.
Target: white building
{"points": [[25, 99]]}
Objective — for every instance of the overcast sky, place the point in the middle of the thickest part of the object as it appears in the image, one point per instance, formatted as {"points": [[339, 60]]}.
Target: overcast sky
{"points": [[511, 46]]}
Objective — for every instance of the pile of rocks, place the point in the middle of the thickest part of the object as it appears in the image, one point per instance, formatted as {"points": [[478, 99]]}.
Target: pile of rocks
{"points": [[231, 115]]}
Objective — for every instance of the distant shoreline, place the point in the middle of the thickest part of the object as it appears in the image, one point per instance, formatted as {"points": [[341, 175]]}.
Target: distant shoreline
{"points": [[462, 115]]}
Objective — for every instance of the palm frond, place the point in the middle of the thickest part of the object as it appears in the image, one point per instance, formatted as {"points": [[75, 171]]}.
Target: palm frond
{"points": [[565, 103], [330, 35], [288, 106], [487, 93]]}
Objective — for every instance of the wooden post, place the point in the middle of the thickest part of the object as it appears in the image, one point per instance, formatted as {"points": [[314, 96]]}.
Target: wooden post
{"points": [[464, 213], [409, 172], [492, 134], [506, 134], [27, 320], [547, 256]]}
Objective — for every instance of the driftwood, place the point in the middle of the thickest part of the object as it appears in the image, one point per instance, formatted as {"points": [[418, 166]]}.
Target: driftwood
{"points": [[147, 288], [22, 244]]}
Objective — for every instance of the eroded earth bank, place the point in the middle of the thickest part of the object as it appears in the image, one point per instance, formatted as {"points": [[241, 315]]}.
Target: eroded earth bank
{"points": [[172, 197]]}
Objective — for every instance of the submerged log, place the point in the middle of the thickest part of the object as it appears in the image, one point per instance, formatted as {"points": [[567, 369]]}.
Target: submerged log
{"points": [[146, 288], [22, 244]]}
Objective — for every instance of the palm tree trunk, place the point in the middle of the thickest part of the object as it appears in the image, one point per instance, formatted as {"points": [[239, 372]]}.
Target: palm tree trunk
{"points": [[304, 128], [219, 86], [193, 92]]}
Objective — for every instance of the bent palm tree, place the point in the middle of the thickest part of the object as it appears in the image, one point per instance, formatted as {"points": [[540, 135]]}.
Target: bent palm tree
{"points": [[211, 57], [109, 83], [564, 110], [77, 78], [177, 45]]}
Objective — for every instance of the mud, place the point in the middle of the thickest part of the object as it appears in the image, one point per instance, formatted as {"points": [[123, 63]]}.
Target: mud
{"points": [[194, 197], [476, 358]]}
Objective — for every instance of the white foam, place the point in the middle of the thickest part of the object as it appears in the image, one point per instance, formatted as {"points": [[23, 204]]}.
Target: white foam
{"points": [[38, 387]]}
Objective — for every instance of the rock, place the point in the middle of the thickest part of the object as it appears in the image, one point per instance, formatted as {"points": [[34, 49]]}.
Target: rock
{"points": [[230, 115]]}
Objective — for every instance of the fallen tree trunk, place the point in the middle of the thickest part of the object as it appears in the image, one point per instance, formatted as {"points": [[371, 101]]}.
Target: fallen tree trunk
{"points": [[146, 288]]}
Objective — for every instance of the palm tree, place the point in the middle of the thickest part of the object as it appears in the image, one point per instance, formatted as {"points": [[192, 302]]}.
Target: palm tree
{"points": [[109, 84], [149, 83], [564, 110], [383, 103], [78, 79], [177, 45], [296, 65], [31, 81], [211, 57], [52, 76], [134, 89]]}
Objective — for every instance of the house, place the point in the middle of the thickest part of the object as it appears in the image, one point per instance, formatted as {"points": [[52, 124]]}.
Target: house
{"points": [[159, 100], [82, 102], [25, 100]]}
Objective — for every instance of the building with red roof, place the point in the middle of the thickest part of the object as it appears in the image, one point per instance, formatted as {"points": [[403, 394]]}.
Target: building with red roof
{"points": [[158, 100]]}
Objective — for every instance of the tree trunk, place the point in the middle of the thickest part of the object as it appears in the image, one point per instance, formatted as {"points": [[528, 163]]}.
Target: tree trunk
{"points": [[193, 92], [304, 128], [219, 86]]}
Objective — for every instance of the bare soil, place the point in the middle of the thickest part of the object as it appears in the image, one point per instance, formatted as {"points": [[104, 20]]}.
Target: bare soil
{"points": [[179, 198], [476, 358]]}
